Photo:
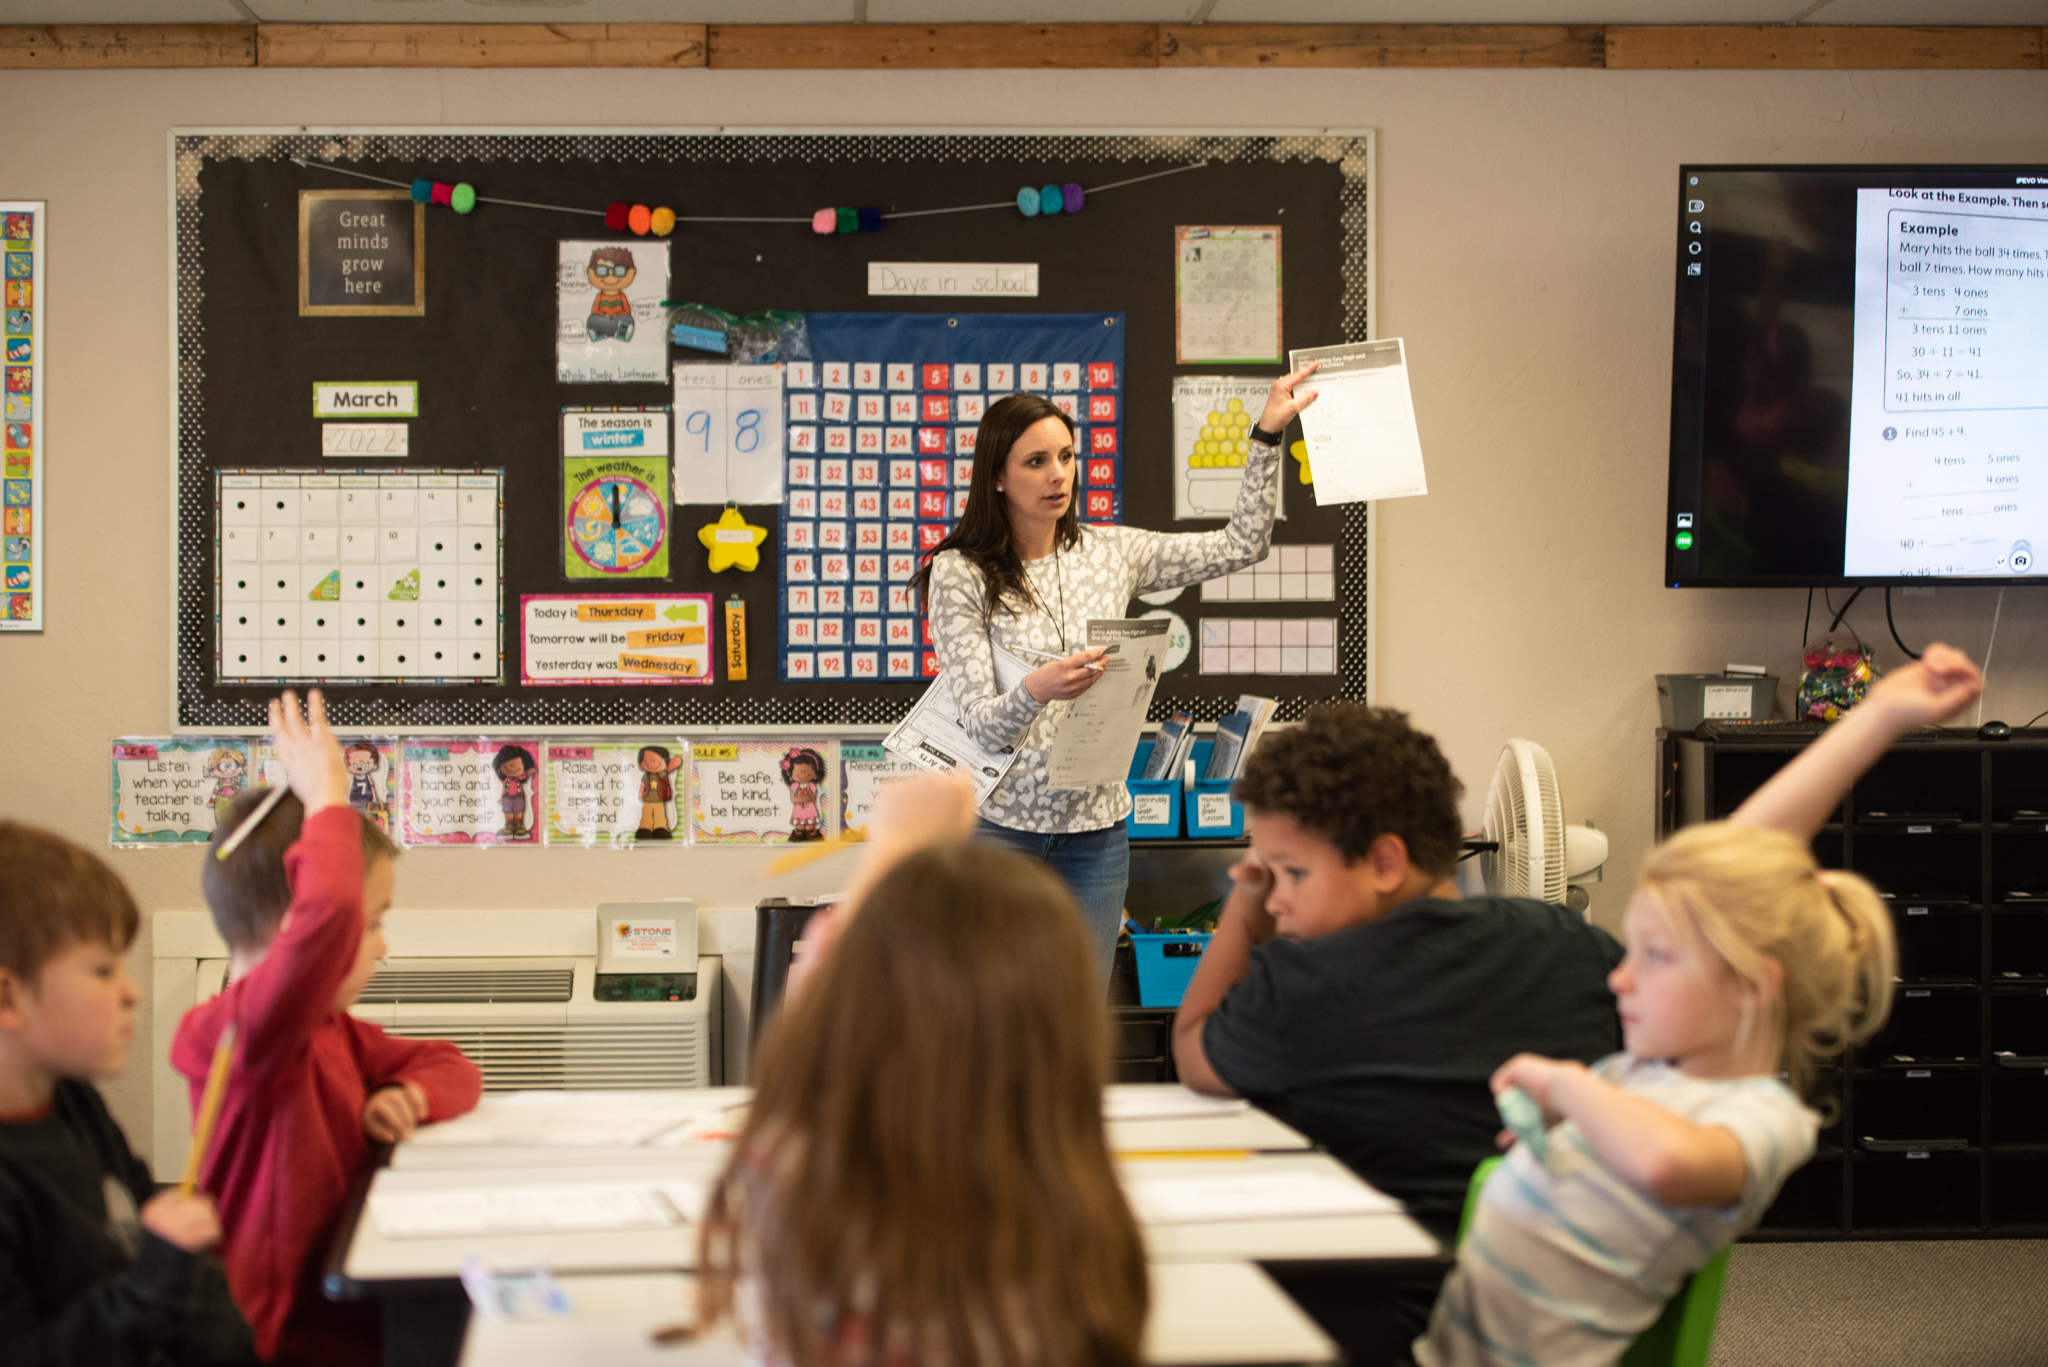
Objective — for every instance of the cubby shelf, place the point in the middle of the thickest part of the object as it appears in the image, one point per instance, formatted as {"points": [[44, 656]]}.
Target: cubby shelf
{"points": [[1974, 982]]}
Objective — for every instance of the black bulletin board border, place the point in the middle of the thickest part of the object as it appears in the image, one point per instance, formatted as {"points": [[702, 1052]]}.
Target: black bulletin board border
{"points": [[235, 359]]}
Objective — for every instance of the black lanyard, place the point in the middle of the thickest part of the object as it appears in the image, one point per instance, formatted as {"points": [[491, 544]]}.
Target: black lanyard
{"points": [[1059, 624]]}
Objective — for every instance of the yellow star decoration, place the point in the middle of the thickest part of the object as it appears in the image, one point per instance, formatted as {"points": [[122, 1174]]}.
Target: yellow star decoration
{"points": [[732, 541], [1299, 450]]}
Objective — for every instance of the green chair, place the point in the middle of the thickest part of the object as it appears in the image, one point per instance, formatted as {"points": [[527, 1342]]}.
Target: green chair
{"points": [[1683, 1335]]}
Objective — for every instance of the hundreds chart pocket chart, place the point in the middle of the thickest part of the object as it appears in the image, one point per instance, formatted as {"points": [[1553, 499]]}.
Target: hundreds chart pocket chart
{"points": [[880, 452]]}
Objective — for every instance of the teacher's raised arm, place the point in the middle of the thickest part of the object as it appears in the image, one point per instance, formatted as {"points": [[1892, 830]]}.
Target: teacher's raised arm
{"points": [[1021, 571]]}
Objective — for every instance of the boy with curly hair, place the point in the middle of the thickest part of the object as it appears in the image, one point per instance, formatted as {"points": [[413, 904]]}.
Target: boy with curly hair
{"points": [[1352, 991]]}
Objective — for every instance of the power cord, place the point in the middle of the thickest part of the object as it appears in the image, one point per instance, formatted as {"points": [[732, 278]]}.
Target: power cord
{"points": [[1985, 668], [1911, 653]]}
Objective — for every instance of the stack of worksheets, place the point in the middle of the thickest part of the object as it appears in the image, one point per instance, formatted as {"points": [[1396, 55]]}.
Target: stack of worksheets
{"points": [[1236, 734]]}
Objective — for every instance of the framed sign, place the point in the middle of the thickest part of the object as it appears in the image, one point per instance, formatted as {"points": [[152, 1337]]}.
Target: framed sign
{"points": [[362, 252]]}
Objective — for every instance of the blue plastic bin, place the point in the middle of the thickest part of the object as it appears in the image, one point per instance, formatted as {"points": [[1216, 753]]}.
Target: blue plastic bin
{"points": [[1166, 965], [1155, 803], [1212, 813]]}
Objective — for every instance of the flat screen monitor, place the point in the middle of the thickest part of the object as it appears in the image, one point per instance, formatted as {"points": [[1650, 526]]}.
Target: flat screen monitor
{"points": [[1860, 376]]}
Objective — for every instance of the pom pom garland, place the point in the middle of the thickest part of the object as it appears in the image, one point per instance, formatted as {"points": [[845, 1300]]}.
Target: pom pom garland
{"points": [[1032, 202], [1075, 197], [461, 198], [1027, 202], [870, 220], [662, 222], [825, 222], [617, 215], [639, 218], [846, 220], [831, 222], [422, 191], [1051, 200], [443, 194]]}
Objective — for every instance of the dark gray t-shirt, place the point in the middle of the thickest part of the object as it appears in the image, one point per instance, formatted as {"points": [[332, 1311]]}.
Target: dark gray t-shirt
{"points": [[1377, 1042]]}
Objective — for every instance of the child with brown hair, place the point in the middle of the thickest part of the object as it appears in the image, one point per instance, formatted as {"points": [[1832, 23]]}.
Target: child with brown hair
{"points": [[1746, 962], [301, 905], [96, 1265], [923, 1175]]}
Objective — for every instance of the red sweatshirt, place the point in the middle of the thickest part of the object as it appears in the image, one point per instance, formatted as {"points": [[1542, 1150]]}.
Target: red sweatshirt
{"points": [[290, 1136]]}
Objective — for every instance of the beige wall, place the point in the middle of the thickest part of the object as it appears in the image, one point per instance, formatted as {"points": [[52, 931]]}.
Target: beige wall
{"points": [[1525, 229]]}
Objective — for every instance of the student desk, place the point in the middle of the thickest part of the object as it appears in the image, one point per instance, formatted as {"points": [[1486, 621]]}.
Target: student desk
{"points": [[1203, 1315], [1343, 1260]]}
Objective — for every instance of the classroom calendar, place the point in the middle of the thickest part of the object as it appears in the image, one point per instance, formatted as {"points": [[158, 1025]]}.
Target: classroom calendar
{"points": [[359, 575], [879, 452]]}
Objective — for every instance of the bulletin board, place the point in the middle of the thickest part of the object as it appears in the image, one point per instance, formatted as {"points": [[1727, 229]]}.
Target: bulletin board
{"points": [[478, 360]]}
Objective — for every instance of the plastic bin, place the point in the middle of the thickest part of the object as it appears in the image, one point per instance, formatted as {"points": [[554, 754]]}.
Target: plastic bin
{"points": [[1166, 965], [1686, 700], [1155, 803], [1212, 813]]}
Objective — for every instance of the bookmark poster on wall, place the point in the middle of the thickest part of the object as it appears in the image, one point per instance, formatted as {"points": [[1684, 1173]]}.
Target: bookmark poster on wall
{"points": [[174, 792], [472, 792], [22, 230], [757, 792], [615, 793], [609, 323], [864, 771]]}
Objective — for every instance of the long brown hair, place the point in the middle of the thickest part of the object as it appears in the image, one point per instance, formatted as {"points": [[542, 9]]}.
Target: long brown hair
{"points": [[923, 1172], [983, 532]]}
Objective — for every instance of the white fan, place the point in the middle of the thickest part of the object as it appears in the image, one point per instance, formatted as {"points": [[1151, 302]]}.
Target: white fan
{"points": [[1538, 855]]}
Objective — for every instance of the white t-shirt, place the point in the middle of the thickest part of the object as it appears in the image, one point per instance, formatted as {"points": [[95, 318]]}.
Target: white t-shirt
{"points": [[1564, 1266]]}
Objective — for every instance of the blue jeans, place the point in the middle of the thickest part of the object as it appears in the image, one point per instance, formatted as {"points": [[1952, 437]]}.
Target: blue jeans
{"points": [[1096, 867]]}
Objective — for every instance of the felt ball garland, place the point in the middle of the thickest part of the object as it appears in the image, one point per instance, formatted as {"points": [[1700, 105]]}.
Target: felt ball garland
{"points": [[830, 222], [1033, 201], [461, 198]]}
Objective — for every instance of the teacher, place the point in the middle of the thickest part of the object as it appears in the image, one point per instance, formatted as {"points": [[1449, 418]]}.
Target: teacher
{"points": [[1020, 571]]}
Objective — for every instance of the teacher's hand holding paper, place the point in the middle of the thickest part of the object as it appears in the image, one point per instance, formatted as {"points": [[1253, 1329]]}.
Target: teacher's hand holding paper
{"points": [[1065, 678], [1282, 404]]}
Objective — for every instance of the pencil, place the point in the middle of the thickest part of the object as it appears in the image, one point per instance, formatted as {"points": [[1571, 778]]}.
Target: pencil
{"points": [[809, 854], [209, 1108], [241, 833]]}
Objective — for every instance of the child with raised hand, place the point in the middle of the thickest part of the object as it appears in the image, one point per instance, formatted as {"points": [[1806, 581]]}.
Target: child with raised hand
{"points": [[96, 1265], [1746, 961], [301, 905], [923, 1175]]}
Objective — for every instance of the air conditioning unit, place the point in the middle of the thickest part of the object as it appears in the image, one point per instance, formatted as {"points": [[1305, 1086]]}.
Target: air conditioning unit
{"points": [[562, 1001]]}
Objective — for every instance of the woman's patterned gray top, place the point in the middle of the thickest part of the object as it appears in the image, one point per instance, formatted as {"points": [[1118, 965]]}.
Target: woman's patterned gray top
{"points": [[1097, 578]]}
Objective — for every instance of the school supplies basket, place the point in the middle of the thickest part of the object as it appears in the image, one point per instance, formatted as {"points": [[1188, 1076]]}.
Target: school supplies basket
{"points": [[1166, 964]]}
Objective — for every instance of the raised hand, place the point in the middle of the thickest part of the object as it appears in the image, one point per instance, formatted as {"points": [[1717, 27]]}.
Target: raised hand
{"points": [[1941, 683], [313, 762]]}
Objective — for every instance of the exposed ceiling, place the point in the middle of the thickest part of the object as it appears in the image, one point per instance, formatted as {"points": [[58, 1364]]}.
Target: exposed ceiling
{"points": [[1900, 12]]}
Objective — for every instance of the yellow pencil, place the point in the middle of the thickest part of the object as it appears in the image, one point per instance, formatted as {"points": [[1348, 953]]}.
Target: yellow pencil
{"points": [[209, 1108], [811, 853]]}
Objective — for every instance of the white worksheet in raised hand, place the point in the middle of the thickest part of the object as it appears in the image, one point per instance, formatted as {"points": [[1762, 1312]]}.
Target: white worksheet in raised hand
{"points": [[1362, 441]]}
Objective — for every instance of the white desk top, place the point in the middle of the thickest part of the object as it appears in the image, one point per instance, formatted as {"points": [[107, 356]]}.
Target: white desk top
{"points": [[1202, 1313], [372, 1257], [1247, 1129]]}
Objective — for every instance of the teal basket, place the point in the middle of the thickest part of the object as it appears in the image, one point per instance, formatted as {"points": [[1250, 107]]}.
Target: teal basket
{"points": [[1212, 813], [1166, 965], [1155, 803]]}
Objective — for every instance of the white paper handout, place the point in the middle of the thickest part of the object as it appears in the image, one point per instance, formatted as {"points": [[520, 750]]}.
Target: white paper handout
{"points": [[597, 1120], [1150, 1101], [1362, 442], [729, 427], [448, 1213], [1226, 294], [933, 737], [1098, 731], [1252, 1193]]}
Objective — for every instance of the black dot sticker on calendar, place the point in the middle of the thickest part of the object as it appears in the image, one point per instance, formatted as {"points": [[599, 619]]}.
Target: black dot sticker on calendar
{"points": [[880, 451]]}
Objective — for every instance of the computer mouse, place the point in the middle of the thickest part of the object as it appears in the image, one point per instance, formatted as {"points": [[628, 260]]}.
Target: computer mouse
{"points": [[1994, 730]]}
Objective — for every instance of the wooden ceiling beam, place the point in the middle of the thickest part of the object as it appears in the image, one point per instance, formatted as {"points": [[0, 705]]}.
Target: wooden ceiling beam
{"points": [[930, 47], [1368, 45], [480, 45]]}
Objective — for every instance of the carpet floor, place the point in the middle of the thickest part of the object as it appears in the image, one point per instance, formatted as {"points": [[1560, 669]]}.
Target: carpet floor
{"points": [[1963, 1304]]}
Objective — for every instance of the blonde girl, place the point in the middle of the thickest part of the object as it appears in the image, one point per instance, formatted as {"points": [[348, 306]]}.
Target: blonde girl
{"points": [[923, 1177], [1746, 961]]}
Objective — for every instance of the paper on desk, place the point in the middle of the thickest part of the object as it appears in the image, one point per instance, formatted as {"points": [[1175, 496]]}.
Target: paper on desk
{"points": [[1148, 1101], [1251, 1194], [1098, 732], [447, 1213], [933, 737], [1362, 442], [571, 1120]]}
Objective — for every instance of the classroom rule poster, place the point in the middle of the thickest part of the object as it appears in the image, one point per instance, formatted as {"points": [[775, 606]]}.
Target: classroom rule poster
{"points": [[609, 323], [762, 792], [615, 794], [174, 792], [480, 792], [864, 771]]}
